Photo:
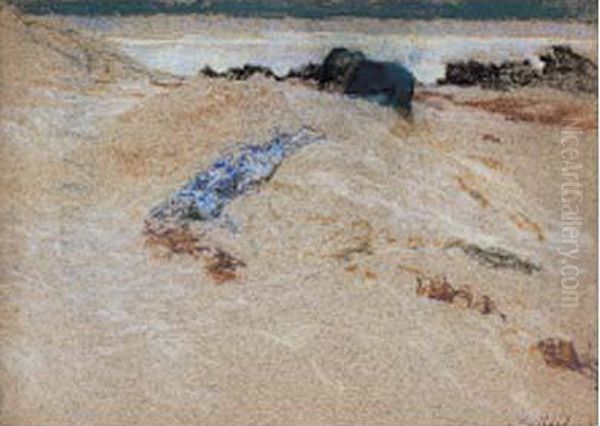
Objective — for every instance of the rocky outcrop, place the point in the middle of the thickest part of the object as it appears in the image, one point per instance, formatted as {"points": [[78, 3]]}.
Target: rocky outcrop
{"points": [[309, 71], [241, 73], [351, 72], [338, 68], [490, 76], [563, 69], [306, 72], [345, 71]]}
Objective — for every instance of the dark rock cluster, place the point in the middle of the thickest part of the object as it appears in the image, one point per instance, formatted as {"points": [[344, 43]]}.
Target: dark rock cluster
{"points": [[563, 69], [344, 71], [241, 73], [567, 70], [490, 76], [306, 72]]}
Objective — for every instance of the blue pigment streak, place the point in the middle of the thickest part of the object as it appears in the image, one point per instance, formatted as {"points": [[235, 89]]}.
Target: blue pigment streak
{"points": [[205, 196]]}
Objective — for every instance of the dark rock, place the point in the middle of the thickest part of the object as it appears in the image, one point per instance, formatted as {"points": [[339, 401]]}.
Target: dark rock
{"points": [[345, 71], [307, 72], [566, 70], [386, 83], [466, 73], [209, 72], [490, 76], [563, 69], [243, 73], [338, 67]]}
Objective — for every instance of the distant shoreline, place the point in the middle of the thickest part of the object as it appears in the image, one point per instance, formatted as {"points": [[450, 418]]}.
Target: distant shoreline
{"points": [[427, 9]]}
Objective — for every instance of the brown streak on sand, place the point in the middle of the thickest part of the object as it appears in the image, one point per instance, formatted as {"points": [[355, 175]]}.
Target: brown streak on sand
{"points": [[545, 112], [525, 224], [356, 239], [415, 242], [491, 138], [321, 219], [561, 354], [441, 290], [220, 265], [411, 269], [521, 108], [473, 192], [489, 162], [428, 94]]}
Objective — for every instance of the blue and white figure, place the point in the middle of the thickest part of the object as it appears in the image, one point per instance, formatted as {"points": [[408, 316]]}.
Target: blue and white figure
{"points": [[206, 195]]}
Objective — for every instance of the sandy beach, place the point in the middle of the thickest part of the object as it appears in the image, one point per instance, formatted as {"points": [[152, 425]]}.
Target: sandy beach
{"points": [[332, 316]]}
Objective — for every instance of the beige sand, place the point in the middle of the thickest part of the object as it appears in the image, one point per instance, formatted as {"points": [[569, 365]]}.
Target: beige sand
{"points": [[324, 325]]}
